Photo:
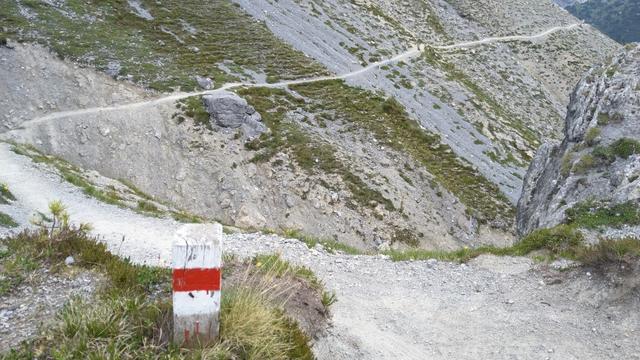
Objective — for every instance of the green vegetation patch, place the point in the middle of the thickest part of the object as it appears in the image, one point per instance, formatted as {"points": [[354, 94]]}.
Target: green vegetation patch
{"points": [[563, 241], [586, 162], [592, 135], [330, 245], [390, 124], [275, 265], [621, 148], [593, 215], [617, 18], [194, 108], [7, 221], [560, 241], [146, 205], [609, 251], [184, 39], [625, 147]]}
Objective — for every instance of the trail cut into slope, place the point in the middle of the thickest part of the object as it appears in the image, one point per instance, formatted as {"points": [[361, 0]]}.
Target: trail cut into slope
{"points": [[414, 51]]}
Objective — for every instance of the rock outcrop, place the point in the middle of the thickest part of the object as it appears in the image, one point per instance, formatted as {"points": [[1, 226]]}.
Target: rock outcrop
{"points": [[599, 158], [231, 111]]}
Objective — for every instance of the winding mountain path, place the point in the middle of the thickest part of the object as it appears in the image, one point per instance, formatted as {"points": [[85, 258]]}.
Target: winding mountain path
{"points": [[493, 308], [413, 51], [506, 38]]}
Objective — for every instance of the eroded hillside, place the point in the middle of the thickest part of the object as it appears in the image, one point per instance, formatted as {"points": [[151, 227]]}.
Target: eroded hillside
{"points": [[428, 151]]}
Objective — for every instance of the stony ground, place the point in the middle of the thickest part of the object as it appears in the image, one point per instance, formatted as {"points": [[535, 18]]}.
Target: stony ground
{"points": [[34, 304], [499, 308]]}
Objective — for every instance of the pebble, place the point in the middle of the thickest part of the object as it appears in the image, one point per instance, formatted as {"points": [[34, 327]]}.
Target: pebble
{"points": [[69, 261]]}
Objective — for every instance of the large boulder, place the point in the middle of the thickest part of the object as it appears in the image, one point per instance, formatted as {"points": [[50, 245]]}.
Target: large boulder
{"points": [[598, 161], [228, 110]]}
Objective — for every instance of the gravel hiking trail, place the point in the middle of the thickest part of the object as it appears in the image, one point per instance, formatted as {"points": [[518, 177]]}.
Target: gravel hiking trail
{"points": [[412, 52], [491, 308]]}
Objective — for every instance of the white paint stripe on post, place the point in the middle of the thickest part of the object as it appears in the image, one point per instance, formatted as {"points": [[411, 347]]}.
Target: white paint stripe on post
{"points": [[197, 267]]}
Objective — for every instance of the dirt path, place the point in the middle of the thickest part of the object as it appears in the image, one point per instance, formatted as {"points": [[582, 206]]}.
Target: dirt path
{"points": [[496, 308], [414, 51], [507, 38]]}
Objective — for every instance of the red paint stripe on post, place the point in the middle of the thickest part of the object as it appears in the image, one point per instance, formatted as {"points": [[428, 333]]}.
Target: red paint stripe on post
{"points": [[196, 279]]}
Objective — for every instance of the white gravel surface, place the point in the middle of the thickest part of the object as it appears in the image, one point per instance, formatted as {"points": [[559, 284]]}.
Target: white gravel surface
{"points": [[492, 308]]}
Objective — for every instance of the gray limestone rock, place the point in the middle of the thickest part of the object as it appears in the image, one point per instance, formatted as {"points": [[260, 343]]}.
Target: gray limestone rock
{"points": [[204, 82], [228, 110], [599, 158]]}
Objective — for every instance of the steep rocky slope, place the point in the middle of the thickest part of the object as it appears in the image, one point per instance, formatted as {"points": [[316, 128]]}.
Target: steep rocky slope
{"points": [[594, 173], [428, 151], [492, 104]]}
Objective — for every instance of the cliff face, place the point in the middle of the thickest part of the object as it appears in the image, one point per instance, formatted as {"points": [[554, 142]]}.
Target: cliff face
{"points": [[598, 162]]}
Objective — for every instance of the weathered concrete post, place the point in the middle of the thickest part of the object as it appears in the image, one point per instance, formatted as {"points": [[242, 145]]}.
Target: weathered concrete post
{"points": [[197, 266]]}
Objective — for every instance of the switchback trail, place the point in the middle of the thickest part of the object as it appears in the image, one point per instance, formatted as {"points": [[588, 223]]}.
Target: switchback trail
{"points": [[492, 308], [414, 51]]}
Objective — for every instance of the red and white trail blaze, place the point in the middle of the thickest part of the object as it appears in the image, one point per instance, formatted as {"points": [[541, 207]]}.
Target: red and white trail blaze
{"points": [[197, 280]]}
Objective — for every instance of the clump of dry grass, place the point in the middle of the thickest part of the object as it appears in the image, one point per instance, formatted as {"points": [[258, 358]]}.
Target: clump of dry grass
{"points": [[253, 322]]}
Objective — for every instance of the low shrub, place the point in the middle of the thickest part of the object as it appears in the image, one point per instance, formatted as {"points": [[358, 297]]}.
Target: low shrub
{"points": [[625, 147], [592, 135], [610, 251], [585, 163]]}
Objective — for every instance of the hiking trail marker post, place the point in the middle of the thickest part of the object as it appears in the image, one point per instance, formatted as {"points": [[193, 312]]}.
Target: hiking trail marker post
{"points": [[197, 279]]}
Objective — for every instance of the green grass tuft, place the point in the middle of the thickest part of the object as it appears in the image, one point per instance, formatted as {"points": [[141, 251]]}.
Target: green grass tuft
{"points": [[608, 251], [7, 221], [592, 135], [276, 266], [586, 162], [194, 108]]}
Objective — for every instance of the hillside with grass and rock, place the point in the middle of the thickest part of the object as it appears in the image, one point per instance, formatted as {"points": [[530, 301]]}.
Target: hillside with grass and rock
{"points": [[395, 179], [427, 150]]}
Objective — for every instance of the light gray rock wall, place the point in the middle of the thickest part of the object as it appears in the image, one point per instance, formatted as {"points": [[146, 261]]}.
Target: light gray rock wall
{"points": [[604, 108]]}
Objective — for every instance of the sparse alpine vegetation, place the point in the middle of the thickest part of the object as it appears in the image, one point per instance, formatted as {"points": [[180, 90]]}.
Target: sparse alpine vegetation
{"points": [[562, 241], [130, 316], [164, 52]]}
